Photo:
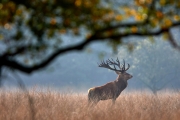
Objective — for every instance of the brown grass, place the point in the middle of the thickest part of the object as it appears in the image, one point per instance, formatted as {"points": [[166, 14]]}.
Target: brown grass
{"points": [[50, 105]]}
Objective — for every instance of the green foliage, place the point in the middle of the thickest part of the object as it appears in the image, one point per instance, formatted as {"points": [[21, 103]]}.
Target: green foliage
{"points": [[46, 21]]}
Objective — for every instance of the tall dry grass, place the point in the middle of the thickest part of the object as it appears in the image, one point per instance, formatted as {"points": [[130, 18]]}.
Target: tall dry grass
{"points": [[50, 105]]}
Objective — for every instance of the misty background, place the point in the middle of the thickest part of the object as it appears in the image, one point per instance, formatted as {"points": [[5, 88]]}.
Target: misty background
{"points": [[155, 66]]}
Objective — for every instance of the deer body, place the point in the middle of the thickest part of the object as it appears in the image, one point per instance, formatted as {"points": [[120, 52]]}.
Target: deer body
{"points": [[110, 90]]}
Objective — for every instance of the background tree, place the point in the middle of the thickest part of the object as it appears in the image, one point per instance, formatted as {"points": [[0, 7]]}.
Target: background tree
{"points": [[155, 65], [34, 33], [162, 70]]}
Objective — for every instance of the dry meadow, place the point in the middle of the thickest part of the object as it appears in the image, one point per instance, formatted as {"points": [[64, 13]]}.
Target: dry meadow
{"points": [[53, 105]]}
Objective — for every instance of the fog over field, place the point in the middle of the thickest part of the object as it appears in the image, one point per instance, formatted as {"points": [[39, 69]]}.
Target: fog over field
{"points": [[154, 65]]}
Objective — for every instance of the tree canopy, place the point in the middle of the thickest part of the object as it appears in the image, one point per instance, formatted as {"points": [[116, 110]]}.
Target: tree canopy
{"points": [[32, 33]]}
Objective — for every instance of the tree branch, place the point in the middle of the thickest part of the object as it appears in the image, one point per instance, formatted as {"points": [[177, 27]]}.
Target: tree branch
{"points": [[19, 50], [8, 62], [141, 34], [5, 61], [128, 25], [172, 41]]}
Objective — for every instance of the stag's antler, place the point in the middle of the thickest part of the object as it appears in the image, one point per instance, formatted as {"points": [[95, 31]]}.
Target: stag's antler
{"points": [[107, 63]]}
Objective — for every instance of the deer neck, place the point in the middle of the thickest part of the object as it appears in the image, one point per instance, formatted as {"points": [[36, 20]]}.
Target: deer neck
{"points": [[120, 80], [121, 83]]}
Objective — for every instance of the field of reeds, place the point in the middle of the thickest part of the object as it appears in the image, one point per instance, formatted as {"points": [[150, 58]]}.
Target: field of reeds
{"points": [[53, 105]]}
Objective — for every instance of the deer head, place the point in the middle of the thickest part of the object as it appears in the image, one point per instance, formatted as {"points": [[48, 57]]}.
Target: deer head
{"points": [[122, 68]]}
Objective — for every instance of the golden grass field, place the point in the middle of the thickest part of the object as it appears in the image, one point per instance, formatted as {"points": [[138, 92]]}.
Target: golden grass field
{"points": [[53, 105]]}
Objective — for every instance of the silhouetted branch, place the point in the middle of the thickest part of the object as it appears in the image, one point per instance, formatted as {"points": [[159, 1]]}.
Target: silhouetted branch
{"points": [[19, 50], [11, 63], [7, 60]]}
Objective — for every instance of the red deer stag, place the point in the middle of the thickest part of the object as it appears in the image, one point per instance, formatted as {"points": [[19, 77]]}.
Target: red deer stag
{"points": [[112, 89]]}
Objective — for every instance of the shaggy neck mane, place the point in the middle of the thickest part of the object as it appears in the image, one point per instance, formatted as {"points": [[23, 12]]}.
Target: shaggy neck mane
{"points": [[121, 80]]}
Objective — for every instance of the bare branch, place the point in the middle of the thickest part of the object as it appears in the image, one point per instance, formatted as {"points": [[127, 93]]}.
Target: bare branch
{"points": [[172, 41]]}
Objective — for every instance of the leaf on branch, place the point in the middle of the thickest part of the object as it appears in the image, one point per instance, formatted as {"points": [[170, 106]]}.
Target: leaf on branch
{"points": [[176, 17], [139, 17], [119, 18], [62, 31], [165, 36], [78, 3], [154, 22], [142, 2], [53, 21], [166, 23], [163, 2], [88, 35], [159, 14], [134, 29]]}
